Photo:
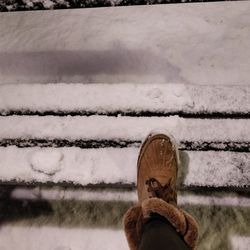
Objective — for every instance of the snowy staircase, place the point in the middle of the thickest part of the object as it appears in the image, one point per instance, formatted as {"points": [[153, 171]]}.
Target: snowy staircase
{"points": [[68, 151], [55, 138], [79, 143], [88, 135]]}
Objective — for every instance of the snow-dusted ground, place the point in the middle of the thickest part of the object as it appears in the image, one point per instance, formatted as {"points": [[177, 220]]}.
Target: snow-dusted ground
{"points": [[111, 98], [187, 43], [240, 242], [123, 128], [54, 238], [202, 44], [222, 218], [62, 194], [112, 166], [76, 239]]}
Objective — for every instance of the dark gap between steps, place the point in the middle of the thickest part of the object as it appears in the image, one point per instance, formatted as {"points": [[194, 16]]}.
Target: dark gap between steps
{"points": [[233, 146], [183, 114]]}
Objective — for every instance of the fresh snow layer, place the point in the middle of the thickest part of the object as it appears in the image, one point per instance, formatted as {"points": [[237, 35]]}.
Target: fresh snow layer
{"points": [[57, 193], [47, 162], [108, 98], [240, 242], [55, 238], [77, 166], [123, 128], [111, 166], [188, 43]]}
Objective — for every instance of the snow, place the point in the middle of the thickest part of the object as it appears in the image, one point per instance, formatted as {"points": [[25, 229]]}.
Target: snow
{"points": [[77, 166], [194, 58], [46, 161], [206, 43], [112, 166], [212, 200], [218, 169], [123, 128], [59, 193], [50, 238], [55, 238], [240, 242], [108, 98]]}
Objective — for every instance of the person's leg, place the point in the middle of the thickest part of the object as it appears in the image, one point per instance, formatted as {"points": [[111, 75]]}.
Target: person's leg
{"points": [[159, 234], [157, 167]]}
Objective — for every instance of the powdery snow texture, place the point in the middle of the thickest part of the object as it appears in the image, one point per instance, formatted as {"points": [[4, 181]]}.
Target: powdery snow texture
{"points": [[108, 98], [50, 238], [59, 193], [112, 166], [240, 242], [78, 166], [55, 238], [197, 43], [123, 128]]}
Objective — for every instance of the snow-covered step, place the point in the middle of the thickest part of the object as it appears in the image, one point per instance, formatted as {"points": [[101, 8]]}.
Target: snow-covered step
{"points": [[58, 238], [117, 167], [105, 131], [129, 99], [142, 44], [239, 242], [106, 195]]}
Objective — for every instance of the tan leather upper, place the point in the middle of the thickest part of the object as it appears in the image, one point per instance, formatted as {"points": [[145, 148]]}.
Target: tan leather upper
{"points": [[157, 169]]}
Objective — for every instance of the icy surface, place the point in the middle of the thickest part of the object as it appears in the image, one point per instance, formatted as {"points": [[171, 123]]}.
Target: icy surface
{"points": [[110, 165], [55, 238], [123, 128], [124, 97], [188, 43]]}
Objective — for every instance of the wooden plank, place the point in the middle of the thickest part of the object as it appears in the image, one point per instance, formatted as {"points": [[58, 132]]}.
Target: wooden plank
{"points": [[125, 99], [117, 167]]}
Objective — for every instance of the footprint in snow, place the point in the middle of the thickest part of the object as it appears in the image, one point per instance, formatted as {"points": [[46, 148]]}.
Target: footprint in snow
{"points": [[46, 161]]}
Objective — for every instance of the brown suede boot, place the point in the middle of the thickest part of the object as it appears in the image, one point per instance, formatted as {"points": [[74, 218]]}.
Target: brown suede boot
{"points": [[156, 185], [157, 169]]}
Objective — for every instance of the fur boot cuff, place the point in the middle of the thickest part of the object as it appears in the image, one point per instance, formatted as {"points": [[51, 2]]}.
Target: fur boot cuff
{"points": [[136, 216]]}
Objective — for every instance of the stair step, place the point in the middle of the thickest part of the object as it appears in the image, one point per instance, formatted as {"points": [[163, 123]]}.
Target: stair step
{"points": [[106, 195], [125, 99], [56, 238], [104, 131], [78, 238], [116, 167], [240, 242]]}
